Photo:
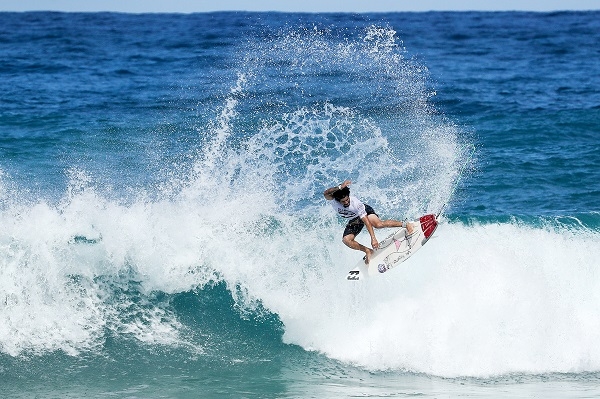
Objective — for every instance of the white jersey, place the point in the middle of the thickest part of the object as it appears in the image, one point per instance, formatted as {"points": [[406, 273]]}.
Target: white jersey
{"points": [[355, 209]]}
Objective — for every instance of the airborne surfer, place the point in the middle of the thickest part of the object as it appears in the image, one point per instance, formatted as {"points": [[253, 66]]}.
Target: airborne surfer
{"points": [[359, 215]]}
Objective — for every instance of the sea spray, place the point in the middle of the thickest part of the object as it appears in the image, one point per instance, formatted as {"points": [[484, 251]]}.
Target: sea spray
{"points": [[249, 214]]}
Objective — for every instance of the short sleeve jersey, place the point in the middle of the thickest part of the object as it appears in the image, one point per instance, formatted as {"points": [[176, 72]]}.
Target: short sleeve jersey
{"points": [[355, 209]]}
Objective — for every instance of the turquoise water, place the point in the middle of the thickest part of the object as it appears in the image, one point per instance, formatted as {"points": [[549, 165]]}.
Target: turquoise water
{"points": [[164, 232]]}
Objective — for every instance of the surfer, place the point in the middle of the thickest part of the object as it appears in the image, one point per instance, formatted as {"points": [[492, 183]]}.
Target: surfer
{"points": [[360, 215]]}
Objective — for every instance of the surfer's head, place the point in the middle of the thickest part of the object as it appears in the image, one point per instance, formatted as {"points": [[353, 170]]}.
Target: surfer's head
{"points": [[342, 196]]}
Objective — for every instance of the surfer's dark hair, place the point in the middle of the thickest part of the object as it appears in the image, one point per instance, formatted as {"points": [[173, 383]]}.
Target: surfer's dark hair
{"points": [[339, 194]]}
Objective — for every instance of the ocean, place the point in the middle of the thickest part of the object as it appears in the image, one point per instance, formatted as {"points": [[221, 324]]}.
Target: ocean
{"points": [[163, 231]]}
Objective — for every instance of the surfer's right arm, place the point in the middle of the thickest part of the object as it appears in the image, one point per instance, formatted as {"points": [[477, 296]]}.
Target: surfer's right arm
{"points": [[328, 194]]}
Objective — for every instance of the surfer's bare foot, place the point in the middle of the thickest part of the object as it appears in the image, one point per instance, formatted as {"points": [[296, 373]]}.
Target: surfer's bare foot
{"points": [[409, 228], [368, 254]]}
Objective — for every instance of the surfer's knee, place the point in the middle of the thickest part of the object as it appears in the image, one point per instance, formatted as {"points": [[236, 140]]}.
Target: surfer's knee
{"points": [[377, 223], [347, 240]]}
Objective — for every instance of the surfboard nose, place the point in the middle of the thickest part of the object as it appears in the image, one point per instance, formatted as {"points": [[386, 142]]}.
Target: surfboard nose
{"points": [[428, 224]]}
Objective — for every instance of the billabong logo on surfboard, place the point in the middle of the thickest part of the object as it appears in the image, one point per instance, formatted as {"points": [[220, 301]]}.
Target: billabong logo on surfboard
{"points": [[353, 275]]}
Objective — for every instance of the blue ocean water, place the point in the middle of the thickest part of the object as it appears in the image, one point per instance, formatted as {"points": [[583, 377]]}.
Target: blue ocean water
{"points": [[163, 231]]}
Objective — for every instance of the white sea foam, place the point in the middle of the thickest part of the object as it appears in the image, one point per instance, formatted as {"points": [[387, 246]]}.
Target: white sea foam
{"points": [[477, 300]]}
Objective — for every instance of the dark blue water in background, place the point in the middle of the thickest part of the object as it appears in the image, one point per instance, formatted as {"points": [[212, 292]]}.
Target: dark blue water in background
{"points": [[163, 231]]}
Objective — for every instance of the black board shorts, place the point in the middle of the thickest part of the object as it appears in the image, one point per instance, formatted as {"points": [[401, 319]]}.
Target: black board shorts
{"points": [[356, 225]]}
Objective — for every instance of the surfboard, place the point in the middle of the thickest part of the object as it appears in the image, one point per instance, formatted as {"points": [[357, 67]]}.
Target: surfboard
{"points": [[395, 249]]}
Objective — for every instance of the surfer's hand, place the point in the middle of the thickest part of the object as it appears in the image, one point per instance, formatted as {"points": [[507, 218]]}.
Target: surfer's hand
{"points": [[374, 243]]}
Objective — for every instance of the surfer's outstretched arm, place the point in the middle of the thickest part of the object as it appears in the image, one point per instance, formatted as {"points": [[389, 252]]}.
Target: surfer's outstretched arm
{"points": [[328, 194]]}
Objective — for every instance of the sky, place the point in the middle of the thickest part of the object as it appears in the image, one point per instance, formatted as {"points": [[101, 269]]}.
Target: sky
{"points": [[189, 6]]}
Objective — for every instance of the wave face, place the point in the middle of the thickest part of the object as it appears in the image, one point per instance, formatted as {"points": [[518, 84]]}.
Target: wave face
{"points": [[218, 251]]}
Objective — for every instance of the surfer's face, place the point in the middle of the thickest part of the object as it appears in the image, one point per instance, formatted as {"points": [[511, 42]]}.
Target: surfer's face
{"points": [[345, 201]]}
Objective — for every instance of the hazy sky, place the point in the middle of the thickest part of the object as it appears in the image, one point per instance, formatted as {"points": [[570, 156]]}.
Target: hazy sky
{"points": [[187, 6]]}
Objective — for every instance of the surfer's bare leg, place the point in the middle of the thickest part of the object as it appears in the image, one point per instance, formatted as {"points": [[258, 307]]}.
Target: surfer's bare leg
{"points": [[380, 224], [352, 243]]}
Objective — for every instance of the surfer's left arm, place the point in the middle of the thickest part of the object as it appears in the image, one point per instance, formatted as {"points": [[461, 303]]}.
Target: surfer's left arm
{"points": [[369, 226]]}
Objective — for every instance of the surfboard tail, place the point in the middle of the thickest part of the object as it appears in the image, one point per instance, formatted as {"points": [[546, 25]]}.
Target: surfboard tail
{"points": [[428, 224]]}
